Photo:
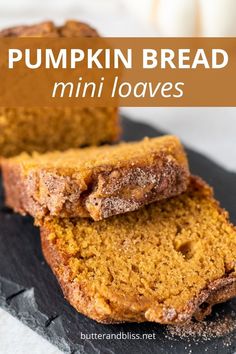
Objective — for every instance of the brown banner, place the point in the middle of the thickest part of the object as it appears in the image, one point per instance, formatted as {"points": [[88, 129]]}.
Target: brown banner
{"points": [[117, 71]]}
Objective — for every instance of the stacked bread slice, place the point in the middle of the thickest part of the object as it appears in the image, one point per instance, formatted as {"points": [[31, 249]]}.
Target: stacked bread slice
{"points": [[96, 181]]}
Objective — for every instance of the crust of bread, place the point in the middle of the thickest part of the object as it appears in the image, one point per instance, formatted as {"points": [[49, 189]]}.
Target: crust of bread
{"points": [[71, 28]]}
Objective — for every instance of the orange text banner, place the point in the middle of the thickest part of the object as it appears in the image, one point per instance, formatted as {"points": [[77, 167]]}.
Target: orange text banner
{"points": [[117, 72]]}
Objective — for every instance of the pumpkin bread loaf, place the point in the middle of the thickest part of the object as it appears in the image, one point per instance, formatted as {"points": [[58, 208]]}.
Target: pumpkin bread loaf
{"points": [[167, 262], [54, 128], [96, 182]]}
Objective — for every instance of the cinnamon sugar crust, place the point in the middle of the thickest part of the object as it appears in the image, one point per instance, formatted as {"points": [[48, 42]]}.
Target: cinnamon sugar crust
{"points": [[96, 182]]}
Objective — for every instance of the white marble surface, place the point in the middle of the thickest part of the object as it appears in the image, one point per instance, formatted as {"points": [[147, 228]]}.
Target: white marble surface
{"points": [[208, 130]]}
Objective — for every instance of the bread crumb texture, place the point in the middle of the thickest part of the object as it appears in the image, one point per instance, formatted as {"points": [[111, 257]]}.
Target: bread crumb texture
{"points": [[165, 263]]}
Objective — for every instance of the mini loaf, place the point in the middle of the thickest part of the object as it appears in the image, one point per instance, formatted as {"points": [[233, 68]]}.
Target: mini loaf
{"points": [[54, 128], [168, 262], [96, 182]]}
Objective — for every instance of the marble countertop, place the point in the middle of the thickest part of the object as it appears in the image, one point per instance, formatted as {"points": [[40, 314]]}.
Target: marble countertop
{"points": [[211, 131]]}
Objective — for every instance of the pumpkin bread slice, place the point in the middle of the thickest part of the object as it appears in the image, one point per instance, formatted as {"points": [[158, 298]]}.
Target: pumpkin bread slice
{"points": [[167, 262], [96, 182]]}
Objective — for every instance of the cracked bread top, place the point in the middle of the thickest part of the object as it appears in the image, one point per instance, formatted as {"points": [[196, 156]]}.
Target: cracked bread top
{"points": [[71, 28]]}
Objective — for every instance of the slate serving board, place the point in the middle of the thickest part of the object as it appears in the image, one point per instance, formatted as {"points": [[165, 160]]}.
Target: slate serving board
{"points": [[29, 291]]}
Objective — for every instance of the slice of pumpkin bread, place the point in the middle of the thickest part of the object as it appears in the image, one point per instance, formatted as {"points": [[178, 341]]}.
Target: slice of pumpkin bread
{"points": [[45, 129], [167, 262], [96, 182]]}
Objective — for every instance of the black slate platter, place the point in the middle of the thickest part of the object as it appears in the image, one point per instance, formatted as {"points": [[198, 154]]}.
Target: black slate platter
{"points": [[29, 291]]}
